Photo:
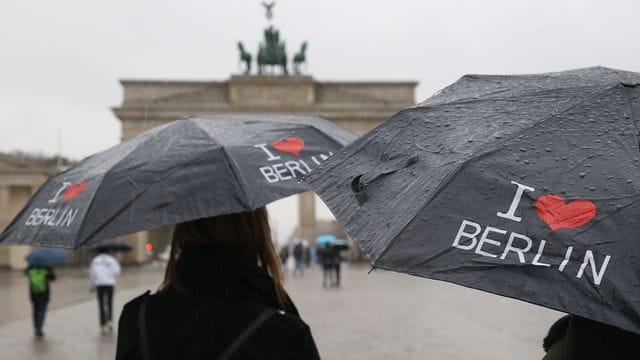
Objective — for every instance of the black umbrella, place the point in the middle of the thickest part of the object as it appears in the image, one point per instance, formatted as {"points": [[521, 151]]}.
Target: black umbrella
{"points": [[340, 244], [188, 169], [523, 186], [111, 246]]}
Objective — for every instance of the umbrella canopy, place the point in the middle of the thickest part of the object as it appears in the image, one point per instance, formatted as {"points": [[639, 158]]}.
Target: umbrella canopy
{"points": [[325, 239], [523, 186], [185, 170], [47, 257], [111, 246], [340, 244]]}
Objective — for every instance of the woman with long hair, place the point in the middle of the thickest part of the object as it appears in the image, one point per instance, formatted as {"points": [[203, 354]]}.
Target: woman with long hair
{"points": [[222, 298]]}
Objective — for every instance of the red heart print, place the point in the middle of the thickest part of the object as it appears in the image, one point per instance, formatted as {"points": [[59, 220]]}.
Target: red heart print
{"points": [[74, 190], [292, 145], [559, 214]]}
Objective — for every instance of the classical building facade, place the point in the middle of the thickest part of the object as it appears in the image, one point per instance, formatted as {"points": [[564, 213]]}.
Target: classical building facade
{"points": [[358, 106]]}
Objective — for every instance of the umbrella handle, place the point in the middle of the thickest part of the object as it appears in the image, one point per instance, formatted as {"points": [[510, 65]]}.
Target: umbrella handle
{"points": [[360, 182]]}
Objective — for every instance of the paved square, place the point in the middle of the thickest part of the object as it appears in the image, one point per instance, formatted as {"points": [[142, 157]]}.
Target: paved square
{"points": [[381, 315]]}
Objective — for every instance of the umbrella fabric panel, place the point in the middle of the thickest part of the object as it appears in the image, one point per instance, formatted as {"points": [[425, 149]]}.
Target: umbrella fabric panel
{"points": [[582, 262], [54, 213], [576, 162], [169, 180], [440, 138], [184, 170], [267, 172]]}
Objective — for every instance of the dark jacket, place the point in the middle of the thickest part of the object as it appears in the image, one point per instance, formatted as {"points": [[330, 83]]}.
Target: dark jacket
{"points": [[576, 338], [225, 296], [329, 256]]}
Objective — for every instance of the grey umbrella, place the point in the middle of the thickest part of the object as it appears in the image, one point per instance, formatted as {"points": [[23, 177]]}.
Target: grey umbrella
{"points": [[524, 186], [185, 170]]}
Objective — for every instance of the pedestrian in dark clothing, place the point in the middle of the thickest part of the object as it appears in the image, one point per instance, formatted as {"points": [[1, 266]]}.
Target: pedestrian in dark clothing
{"points": [[330, 260], [298, 258], [284, 255], [576, 338], [222, 298], [337, 262], [307, 254], [39, 291], [325, 255]]}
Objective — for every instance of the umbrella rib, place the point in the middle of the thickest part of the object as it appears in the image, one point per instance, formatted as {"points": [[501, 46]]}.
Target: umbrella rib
{"points": [[477, 154], [134, 148], [232, 165], [122, 208], [108, 221], [147, 138], [234, 171], [633, 117]]}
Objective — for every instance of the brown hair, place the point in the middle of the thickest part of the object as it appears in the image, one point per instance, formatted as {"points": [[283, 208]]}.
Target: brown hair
{"points": [[247, 234]]}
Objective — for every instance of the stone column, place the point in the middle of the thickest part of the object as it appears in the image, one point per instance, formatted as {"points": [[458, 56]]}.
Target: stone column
{"points": [[307, 216], [17, 253], [138, 241], [4, 207], [16, 257], [4, 221]]}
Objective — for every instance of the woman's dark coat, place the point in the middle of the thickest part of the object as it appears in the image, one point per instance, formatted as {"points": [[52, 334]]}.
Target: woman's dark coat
{"points": [[576, 338], [225, 296]]}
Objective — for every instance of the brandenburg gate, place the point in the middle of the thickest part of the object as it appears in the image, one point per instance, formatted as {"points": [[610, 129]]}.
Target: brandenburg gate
{"points": [[355, 105]]}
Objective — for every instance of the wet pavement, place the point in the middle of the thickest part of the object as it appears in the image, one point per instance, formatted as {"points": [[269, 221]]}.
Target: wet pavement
{"points": [[381, 315], [71, 286]]}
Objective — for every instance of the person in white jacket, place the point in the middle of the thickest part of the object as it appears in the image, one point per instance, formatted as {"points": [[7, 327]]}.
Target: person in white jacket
{"points": [[103, 274]]}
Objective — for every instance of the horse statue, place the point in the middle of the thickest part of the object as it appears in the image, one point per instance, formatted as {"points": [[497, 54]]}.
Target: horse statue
{"points": [[299, 58], [272, 52], [246, 57]]}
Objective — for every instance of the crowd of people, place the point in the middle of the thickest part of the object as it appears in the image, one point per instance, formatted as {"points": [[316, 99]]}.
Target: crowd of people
{"points": [[302, 255]]}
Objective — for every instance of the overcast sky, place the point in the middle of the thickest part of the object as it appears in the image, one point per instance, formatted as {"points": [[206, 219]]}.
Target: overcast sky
{"points": [[60, 61]]}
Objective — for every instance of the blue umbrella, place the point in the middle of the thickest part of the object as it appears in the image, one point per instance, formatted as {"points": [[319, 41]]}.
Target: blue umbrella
{"points": [[325, 239], [47, 257]]}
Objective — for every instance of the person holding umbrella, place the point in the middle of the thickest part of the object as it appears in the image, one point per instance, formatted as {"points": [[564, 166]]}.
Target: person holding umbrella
{"points": [[103, 274], [337, 246], [222, 297], [39, 278], [40, 274]]}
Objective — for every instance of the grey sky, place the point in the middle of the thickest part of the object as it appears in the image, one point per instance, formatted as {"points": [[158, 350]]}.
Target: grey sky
{"points": [[60, 61]]}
